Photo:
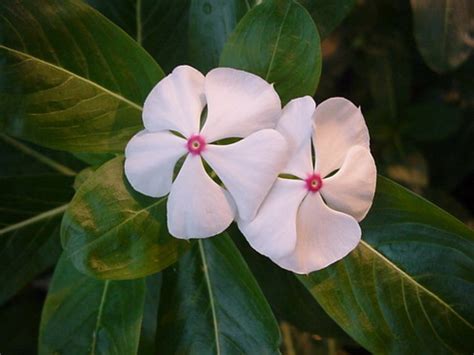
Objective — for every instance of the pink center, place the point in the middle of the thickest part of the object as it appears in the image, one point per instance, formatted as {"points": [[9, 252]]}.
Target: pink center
{"points": [[196, 144], [314, 182]]}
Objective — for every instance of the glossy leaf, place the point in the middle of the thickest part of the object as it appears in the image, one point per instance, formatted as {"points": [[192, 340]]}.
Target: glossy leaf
{"points": [[160, 26], [31, 207], [407, 287], [83, 315], [111, 231], [278, 41], [328, 14], [442, 29], [211, 304], [63, 80], [210, 23]]}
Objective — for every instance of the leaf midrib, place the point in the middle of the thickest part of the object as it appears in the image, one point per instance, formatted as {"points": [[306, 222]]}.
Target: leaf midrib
{"points": [[81, 78], [38, 218], [211, 295], [99, 316], [38, 156], [404, 275], [277, 42], [138, 20]]}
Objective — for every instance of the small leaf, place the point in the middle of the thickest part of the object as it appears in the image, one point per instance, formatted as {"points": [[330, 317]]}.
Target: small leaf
{"points": [[82, 315], [71, 80], [211, 304], [110, 231], [407, 288], [442, 29], [278, 41]]}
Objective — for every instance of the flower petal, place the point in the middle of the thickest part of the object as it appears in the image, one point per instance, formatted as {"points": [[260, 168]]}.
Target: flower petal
{"points": [[339, 125], [176, 102], [197, 206], [324, 237], [273, 232], [150, 158], [351, 190], [238, 104], [296, 125], [249, 167]]}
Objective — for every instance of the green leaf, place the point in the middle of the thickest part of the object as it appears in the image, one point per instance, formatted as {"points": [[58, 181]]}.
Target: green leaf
{"points": [[31, 207], [71, 80], [210, 23], [328, 14], [278, 41], [110, 231], [211, 304], [442, 29], [408, 286], [289, 299], [148, 345], [82, 315], [160, 26]]}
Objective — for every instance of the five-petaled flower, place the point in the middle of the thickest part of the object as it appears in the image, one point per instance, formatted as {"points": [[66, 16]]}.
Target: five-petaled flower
{"points": [[239, 105], [310, 220]]}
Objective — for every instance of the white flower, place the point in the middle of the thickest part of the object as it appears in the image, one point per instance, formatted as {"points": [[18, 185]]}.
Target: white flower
{"points": [[239, 104], [309, 222]]}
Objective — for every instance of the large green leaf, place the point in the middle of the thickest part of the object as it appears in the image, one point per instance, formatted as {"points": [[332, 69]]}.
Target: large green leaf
{"points": [[211, 304], [442, 29], [328, 14], [31, 205], [278, 41], [71, 80], [160, 26], [210, 23], [111, 231], [408, 286], [83, 315]]}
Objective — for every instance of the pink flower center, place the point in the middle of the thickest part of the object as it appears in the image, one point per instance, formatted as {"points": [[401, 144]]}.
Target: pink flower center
{"points": [[314, 182], [196, 144]]}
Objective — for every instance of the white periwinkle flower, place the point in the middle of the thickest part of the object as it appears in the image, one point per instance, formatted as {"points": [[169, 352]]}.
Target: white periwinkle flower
{"points": [[309, 221], [239, 105]]}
